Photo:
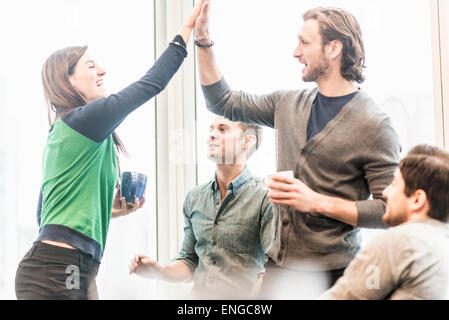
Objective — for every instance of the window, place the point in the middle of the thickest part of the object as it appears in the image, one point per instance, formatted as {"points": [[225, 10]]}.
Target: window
{"points": [[440, 10]]}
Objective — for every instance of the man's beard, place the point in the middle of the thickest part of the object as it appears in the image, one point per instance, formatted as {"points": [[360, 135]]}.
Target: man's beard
{"points": [[395, 219], [317, 71]]}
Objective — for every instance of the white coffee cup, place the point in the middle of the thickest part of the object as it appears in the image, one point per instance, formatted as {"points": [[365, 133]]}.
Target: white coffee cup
{"points": [[286, 174]]}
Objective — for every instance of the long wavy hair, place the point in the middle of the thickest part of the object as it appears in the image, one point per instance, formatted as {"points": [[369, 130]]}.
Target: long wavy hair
{"points": [[338, 24], [61, 97]]}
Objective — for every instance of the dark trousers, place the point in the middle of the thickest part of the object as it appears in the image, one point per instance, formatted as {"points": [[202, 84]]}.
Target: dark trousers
{"points": [[283, 283], [48, 272]]}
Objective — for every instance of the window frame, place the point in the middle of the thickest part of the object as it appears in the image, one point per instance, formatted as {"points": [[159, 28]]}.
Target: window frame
{"points": [[440, 44]]}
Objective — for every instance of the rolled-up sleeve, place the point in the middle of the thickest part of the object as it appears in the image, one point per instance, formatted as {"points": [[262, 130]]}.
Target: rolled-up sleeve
{"points": [[187, 255]]}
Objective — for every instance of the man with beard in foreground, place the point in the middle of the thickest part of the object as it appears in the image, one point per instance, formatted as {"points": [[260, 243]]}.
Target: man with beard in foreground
{"points": [[410, 260]]}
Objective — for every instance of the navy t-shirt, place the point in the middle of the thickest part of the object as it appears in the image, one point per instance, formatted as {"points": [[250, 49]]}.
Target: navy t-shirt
{"points": [[324, 109]]}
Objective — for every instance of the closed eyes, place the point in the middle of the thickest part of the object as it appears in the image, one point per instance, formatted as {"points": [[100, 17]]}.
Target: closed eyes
{"points": [[90, 64]]}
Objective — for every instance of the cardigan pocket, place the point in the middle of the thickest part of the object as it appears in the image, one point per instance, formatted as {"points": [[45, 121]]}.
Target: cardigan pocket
{"points": [[322, 235], [319, 223]]}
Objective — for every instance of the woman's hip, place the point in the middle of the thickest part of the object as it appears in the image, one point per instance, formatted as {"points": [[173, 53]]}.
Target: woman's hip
{"points": [[50, 272]]}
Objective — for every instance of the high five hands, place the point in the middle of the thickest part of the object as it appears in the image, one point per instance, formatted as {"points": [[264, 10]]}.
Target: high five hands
{"points": [[189, 24]]}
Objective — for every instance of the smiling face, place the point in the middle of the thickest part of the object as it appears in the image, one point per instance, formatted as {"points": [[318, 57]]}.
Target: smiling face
{"points": [[310, 52], [398, 210], [226, 143], [87, 78]]}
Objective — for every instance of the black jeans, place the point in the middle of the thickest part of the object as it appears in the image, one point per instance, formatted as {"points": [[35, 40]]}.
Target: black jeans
{"points": [[48, 272], [283, 283]]}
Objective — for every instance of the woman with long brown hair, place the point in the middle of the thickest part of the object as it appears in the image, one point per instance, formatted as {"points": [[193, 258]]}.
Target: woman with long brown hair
{"points": [[81, 171]]}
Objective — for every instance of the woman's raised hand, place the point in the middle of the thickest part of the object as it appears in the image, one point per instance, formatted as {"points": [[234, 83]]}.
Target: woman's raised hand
{"points": [[195, 13], [188, 26]]}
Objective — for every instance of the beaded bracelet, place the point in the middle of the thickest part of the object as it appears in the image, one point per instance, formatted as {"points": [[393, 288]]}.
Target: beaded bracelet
{"points": [[203, 46]]}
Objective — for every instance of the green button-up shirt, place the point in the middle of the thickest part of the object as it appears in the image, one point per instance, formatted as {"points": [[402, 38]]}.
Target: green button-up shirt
{"points": [[225, 242]]}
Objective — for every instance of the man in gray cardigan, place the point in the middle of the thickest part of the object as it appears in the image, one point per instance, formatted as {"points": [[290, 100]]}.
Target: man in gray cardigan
{"points": [[341, 147]]}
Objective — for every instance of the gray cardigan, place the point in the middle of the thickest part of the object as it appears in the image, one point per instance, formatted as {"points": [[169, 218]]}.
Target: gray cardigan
{"points": [[354, 157]]}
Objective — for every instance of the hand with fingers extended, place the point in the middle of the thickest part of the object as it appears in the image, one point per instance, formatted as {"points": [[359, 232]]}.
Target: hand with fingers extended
{"points": [[189, 24], [191, 20], [146, 267], [120, 208], [202, 22], [294, 193]]}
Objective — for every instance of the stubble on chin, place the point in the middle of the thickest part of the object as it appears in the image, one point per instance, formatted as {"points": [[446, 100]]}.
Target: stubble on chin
{"points": [[393, 220], [318, 71], [387, 216]]}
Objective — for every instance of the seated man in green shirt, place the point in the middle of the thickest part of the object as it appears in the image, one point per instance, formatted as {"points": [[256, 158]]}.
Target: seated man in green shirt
{"points": [[227, 223], [409, 261]]}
